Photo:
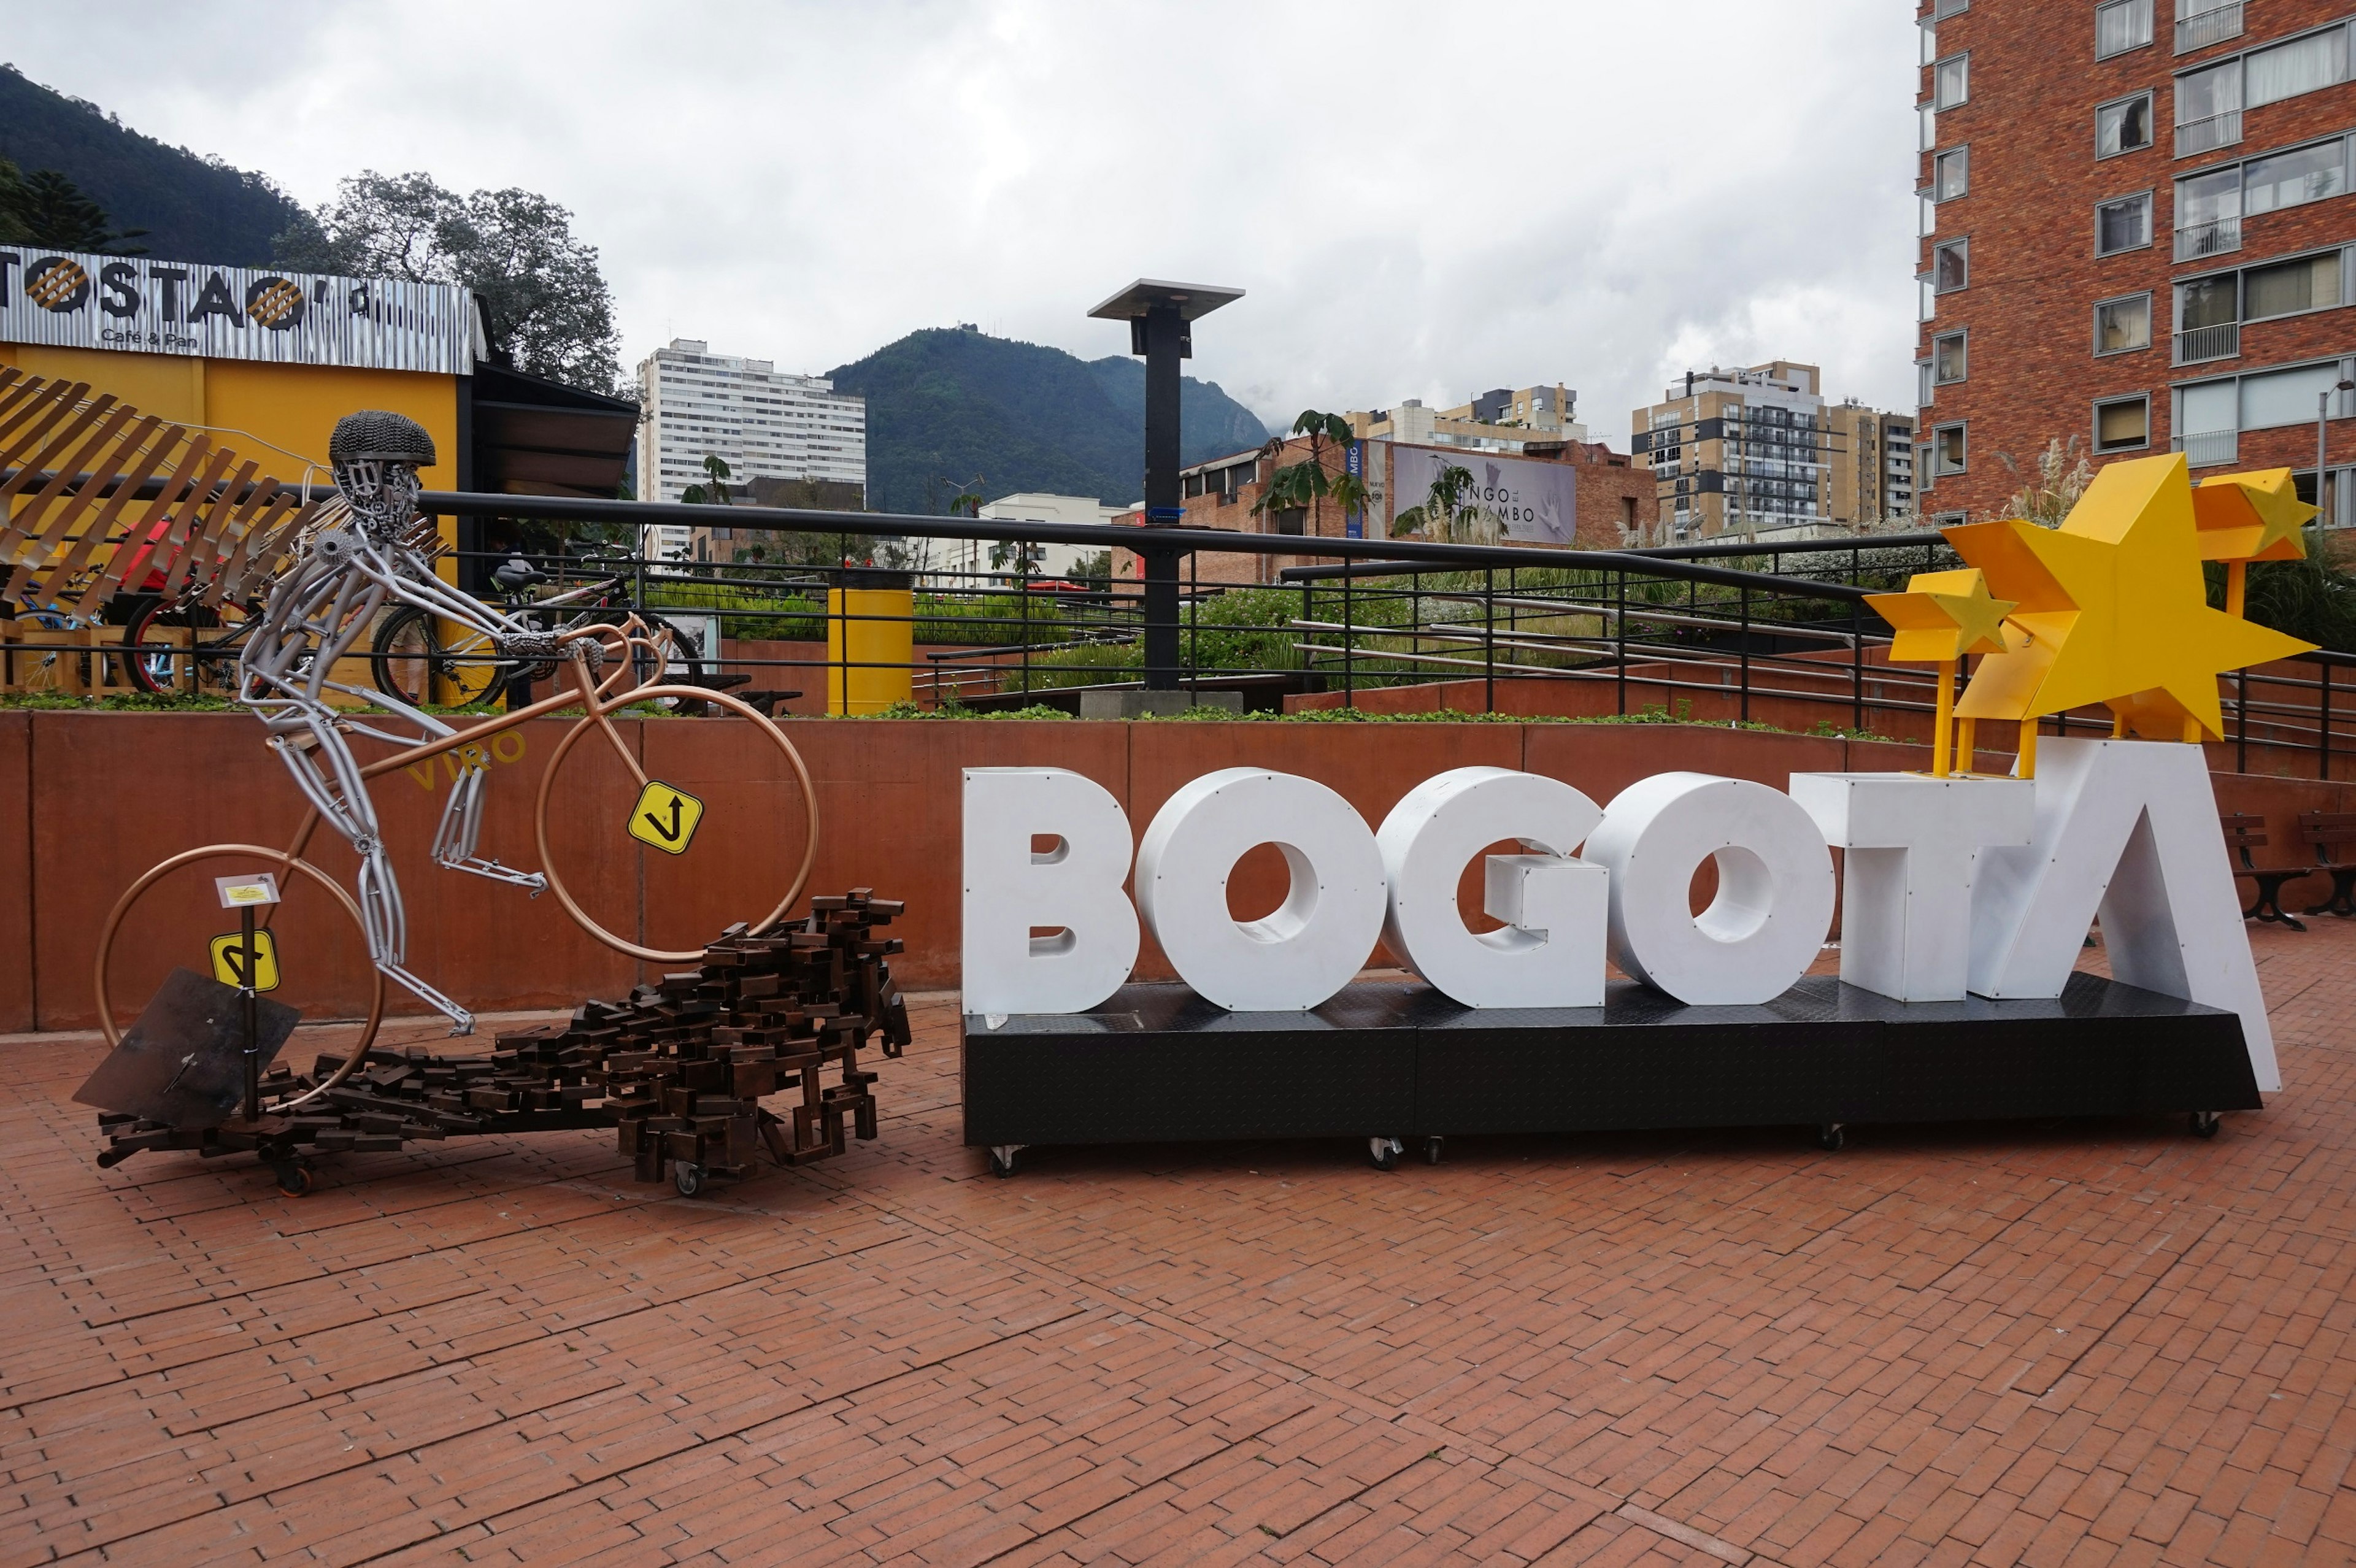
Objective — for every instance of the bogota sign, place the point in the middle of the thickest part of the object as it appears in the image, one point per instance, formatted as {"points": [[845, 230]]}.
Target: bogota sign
{"points": [[1965, 900], [1953, 886]]}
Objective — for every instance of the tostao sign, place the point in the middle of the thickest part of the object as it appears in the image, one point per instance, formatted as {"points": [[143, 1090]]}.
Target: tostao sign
{"points": [[1949, 886]]}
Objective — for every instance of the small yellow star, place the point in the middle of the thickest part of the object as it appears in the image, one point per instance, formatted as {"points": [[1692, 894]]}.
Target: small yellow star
{"points": [[2111, 609], [2251, 517], [1943, 616]]}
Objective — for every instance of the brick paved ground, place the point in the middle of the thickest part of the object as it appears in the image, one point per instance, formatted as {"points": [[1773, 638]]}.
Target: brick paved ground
{"points": [[2083, 1343]]}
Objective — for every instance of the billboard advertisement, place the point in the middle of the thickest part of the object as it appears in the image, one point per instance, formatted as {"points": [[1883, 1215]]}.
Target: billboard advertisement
{"points": [[141, 305], [1534, 502]]}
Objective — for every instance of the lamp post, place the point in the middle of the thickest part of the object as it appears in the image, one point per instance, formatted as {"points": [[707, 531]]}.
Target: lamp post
{"points": [[1161, 318], [2322, 414]]}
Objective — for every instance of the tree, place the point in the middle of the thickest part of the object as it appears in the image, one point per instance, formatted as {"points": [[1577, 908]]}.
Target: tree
{"points": [[45, 209], [546, 308], [1308, 485], [716, 493], [1446, 516]]}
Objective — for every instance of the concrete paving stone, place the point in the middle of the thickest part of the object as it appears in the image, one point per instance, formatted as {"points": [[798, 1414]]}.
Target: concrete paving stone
{"points": [[1124, 1353]]}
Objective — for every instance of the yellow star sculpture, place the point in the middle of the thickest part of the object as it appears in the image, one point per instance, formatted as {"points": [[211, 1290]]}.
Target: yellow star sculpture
{"points": [[2111, 609], [2251, 517], [1943, 616]]}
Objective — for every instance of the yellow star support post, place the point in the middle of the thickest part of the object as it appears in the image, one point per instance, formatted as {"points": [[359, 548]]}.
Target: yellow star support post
{"points": [[2111, 607], [1942, 617]]}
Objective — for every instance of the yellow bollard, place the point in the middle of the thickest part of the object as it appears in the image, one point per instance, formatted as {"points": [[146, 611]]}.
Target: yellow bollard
{"points": [[871, 642]]}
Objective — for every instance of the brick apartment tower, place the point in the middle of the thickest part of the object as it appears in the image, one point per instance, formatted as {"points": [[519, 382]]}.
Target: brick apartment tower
{"points": [[2138, 220]]}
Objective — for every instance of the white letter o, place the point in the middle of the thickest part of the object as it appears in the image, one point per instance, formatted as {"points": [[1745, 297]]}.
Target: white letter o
{"points": [[1315, 940], [1774, 902]]}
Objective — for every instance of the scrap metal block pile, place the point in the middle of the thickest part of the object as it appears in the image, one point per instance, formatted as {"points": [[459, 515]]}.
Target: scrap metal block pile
{"points": [[678, 1069]]}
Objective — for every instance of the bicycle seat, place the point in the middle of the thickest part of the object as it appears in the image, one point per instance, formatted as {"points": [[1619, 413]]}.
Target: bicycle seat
{"points": [[516, 573]]}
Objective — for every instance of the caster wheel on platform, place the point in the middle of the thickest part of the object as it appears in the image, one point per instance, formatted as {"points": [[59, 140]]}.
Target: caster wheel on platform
{"points": [[294, 1180], [2205, 1123], [1002, 1159], [687, 1177], [1384, 1153], [1831, 1135], [1431, 1150]]}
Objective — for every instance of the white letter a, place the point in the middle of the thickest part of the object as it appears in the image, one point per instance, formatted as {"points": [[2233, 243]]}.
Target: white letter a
{"points": [[2126, 828]]}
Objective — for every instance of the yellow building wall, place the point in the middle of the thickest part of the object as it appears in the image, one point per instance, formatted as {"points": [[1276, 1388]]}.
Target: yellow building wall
{"points": [[293, 408]]}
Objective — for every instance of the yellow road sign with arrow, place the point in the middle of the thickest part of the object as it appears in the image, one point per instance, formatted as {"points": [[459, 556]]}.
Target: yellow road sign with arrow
{"points": [[228, 959], [665, 817]]}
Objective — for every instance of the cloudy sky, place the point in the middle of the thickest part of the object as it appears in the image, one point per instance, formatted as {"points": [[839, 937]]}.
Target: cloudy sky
{"points": [[1422, 200]]}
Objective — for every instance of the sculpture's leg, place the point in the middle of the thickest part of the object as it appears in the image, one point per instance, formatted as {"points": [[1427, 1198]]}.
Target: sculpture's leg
{"points": [[462, 827], [341, 796]]}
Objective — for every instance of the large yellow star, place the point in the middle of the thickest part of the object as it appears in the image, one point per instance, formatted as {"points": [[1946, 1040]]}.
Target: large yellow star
{"points": [[2251, 517], [1943, 616], [2111, 609]]}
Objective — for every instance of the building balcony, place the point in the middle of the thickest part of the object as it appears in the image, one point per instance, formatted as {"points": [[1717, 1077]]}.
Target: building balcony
{"points": [[2213, 26], [2203, 343], [2208, 449], [2206, 136], [2213, 239]]}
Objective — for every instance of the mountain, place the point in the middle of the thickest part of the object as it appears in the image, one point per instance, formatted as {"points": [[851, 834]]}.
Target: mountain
{"points": [[945, 405], [194, 208]]}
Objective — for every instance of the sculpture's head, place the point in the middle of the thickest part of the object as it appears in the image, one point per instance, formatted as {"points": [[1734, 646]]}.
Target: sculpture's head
{"points": [[376, 454]]}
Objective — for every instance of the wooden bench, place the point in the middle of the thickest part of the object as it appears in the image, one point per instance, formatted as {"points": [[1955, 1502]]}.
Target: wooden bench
{"points": [[2325, 832], [2244, 833]]}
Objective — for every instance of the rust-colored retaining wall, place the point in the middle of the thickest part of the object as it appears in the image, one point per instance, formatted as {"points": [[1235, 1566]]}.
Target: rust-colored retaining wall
{"points": [[87, 801]]}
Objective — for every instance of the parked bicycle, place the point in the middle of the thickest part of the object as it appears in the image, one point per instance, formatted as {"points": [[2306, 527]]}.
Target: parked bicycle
{"points": [[419, 657]]}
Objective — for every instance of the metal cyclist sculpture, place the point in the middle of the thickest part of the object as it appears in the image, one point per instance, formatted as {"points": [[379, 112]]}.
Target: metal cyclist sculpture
{"points": [[365, 549], [370, 547]]}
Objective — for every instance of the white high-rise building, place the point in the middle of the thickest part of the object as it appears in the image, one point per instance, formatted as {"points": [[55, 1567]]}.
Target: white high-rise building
{"points": [[764, 423]]}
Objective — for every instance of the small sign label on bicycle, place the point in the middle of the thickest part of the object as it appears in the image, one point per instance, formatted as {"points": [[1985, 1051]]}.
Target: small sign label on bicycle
{"points": [[228, 959], [665, 817]]}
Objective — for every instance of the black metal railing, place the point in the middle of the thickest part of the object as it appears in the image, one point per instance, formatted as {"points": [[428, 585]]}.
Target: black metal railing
{"points": [[1726, 631]]}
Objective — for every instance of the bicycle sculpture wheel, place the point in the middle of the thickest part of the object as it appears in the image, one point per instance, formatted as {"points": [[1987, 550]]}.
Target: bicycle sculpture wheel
{"points": [[366, 550]]}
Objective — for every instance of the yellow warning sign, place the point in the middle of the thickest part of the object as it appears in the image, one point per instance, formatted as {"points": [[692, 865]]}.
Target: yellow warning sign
{"points": [[665, 817], [228, 960]]}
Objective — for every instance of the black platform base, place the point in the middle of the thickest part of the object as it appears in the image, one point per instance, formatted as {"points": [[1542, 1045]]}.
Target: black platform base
{"points": [[1157, 1063]]}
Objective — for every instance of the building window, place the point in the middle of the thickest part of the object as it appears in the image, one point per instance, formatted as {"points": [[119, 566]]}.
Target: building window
{"points": [[2208, 214], [1951, 265], [2290, 288], [2208, 316], [1946, 8], [2208, 109], [2291, 396], [2124, 126], [2122, 325], [1948, 358], [1922, 383], [2200, 23], [1951, 174], [2123, 224], [1929, 121], [1953, 86], [2302, 65], [2296, 178], [1930, 45], [2121, 26], [1949, 450], [2123, 423]]}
